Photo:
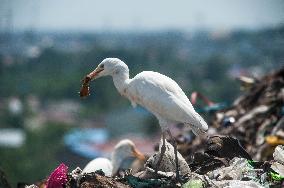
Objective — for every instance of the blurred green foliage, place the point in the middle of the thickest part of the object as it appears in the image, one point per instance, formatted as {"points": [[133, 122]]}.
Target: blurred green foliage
{"points": [[36, 158], [201, 62], [55, 75]]}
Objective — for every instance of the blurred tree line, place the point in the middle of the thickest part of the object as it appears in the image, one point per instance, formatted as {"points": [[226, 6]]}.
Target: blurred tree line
{"points": [[199, 62]]}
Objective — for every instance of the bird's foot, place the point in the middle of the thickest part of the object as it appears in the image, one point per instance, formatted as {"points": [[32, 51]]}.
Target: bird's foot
{"points": [[162, 153], [174, 143], [178, 179]]}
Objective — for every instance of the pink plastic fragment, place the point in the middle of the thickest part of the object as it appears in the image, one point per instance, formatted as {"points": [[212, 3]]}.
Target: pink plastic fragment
{"points": [[58, 177]]}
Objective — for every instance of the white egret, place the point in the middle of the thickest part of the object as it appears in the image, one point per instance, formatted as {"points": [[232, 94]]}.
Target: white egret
{"points": [[158, 93], [124, 156]]}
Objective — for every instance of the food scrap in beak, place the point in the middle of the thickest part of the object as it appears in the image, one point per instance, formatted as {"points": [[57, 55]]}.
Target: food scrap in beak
{"points": [[85, 89]]}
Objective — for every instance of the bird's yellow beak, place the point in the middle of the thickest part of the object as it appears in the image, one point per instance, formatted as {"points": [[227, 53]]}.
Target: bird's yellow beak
{"points": [[138, 154], [95, 73]]}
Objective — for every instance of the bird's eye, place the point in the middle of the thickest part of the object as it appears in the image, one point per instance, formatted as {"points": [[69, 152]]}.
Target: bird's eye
{"points": [[102, 66]]}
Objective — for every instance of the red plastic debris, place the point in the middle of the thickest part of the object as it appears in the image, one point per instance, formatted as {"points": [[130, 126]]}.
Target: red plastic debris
{"points": [[58, 177]]}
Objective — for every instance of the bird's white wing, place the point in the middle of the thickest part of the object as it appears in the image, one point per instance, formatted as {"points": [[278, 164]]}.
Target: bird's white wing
{"points": [[162, 96], [99, 163]]}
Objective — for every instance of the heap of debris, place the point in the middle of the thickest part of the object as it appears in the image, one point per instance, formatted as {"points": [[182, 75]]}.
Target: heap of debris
{"points": [[256, 118], [212, 168]]}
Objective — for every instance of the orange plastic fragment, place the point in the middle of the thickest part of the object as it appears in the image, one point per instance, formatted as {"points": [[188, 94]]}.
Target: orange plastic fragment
{"points": [[274, 140]]}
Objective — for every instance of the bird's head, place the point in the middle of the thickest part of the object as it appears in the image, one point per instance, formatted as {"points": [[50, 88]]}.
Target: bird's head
{"points": [[123, 150], [108, 67]]}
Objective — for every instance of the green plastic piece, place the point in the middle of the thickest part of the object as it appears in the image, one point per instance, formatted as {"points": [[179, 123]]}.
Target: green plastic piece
{"points": [[275, 176], [193, 184], [251, 163]]}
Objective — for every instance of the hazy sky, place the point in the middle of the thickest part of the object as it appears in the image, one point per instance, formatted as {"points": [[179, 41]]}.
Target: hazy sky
{"points": [[140, 15]]}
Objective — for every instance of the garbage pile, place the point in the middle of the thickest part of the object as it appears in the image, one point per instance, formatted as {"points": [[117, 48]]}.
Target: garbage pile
{"points": [[256, 118], [211, 168]]}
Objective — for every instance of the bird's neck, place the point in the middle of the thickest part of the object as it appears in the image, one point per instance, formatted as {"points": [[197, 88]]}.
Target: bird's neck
{"points": [[121, 81], [117, 158]]}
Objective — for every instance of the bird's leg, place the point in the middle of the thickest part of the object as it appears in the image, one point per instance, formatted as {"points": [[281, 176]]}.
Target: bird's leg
{"points": [[163, 150], [175, 151]]}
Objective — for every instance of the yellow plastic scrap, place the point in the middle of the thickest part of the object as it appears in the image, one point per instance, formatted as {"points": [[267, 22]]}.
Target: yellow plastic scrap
{"points": [[274, 140]]}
